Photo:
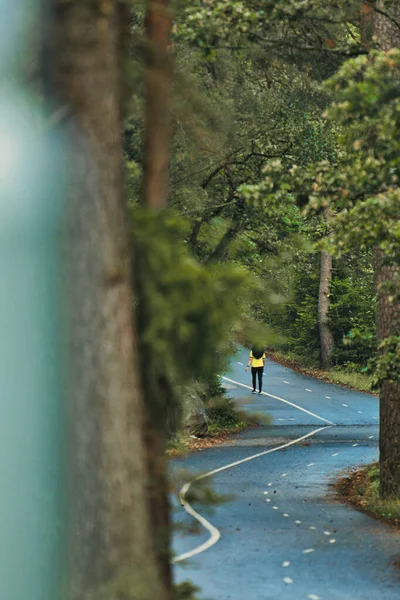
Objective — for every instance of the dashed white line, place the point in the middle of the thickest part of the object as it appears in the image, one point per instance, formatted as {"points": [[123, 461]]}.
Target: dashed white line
{"points": [[287, 382], [213, 531], [298, 522], [336, 454], [281, 400], [285, 515], [345, 405], [307, 390], [308, 551], [313, 597], [284, 475], [360, 412], [327, 533], [275, 507], [311, 465], [266, 493], [267, 499], [328, 397], [269, 485], [371, 437], [288, 580], [286, 563], [312, 528], [332, 541], [354, 445]]}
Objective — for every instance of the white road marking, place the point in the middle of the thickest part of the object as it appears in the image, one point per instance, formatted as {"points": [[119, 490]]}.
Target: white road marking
{"points": [[344, 405], [213, 531], [308, 551], [311, 465], [288, 580], [354, 445], [313, 597], [281, 400], [269, 485], [275, 507], [371, 437], [336, 454], [267, 499], [241, 364], [287, 382], [298, 522], [266, 493], [280, 419], [328, 397], [327, 533], [312, 527], [284, 475], [332, 541], [285, 515], [307, 390], [374, 417], [360, 412], [286, 563]]}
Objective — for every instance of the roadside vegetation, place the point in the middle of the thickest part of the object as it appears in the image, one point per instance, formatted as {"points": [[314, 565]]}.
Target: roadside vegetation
{"points": [[361, 489], [344, 375]]}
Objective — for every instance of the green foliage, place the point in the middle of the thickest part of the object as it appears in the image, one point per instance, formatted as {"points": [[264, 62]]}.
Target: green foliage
{"points": [[186, 310], [222, 412], [185, 591], [386, 365]]}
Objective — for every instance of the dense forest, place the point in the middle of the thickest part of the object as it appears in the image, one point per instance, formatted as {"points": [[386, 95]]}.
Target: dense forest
{"points": [[246, 98]]}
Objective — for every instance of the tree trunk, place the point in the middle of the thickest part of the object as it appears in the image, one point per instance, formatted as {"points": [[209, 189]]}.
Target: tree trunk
{"points": [[155, 188], [327, 344], [221, 249], [111, 550], [388, 324], [158, 99], [387, 35]]}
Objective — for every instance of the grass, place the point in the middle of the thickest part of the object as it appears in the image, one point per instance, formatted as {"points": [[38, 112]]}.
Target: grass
{"points": [[356, 380], [349, 377], [361, 489]]}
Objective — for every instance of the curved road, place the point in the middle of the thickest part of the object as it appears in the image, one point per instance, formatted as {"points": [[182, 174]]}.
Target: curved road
{"points": [[282, 535]]}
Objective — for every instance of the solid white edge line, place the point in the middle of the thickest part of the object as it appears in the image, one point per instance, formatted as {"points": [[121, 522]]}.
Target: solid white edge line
{"points": [[282, 400], [213, 531]]}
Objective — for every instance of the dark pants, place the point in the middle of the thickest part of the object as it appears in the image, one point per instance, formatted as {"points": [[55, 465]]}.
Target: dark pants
{"points": [[257, 371]]}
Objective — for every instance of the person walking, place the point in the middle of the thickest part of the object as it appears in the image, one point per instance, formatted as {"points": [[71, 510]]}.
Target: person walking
{"points": [[256, 360]]}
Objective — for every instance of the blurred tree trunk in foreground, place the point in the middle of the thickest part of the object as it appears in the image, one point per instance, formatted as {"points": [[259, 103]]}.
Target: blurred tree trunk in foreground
{"points": [[112, 551], [156, 154]]}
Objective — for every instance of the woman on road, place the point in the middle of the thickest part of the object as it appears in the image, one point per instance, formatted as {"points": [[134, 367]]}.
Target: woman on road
{"points": [[256, 360]]}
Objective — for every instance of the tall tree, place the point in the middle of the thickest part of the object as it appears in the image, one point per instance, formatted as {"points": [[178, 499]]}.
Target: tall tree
{"points": [[111, 548], [386, 28], [158, 392]]}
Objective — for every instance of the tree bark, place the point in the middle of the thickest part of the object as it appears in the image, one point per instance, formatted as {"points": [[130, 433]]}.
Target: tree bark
{"points": [[158, 105], [387, 35], [388, 324], [155, 191], [111, 550], [327, 344]]}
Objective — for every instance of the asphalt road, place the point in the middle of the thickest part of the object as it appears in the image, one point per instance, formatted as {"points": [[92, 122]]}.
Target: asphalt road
{"points": [[282, 535]]}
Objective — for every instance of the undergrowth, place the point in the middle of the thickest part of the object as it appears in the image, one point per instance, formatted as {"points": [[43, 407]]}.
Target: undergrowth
{"points": [[362, 490]]}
